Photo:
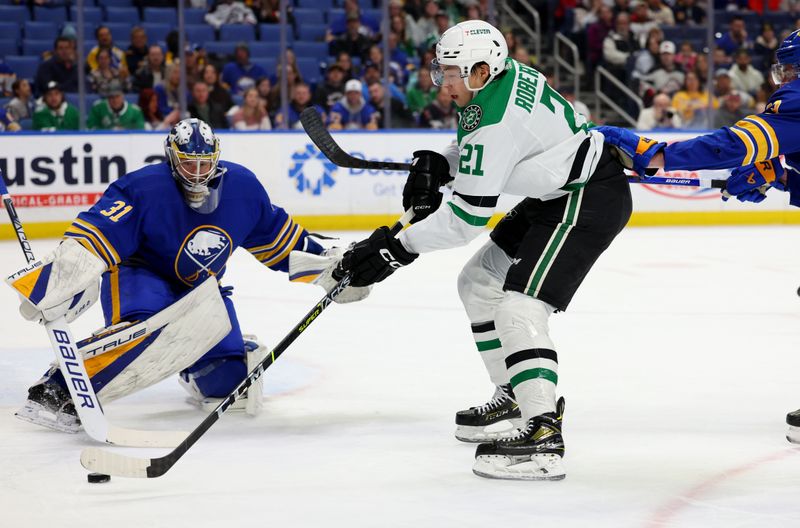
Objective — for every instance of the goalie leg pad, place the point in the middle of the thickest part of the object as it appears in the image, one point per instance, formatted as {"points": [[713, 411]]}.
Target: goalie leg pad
{"points": [[175, 341]]}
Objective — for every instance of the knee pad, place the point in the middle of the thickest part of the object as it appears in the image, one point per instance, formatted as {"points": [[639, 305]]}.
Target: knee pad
{"points": [[480, 283], [214, 379], [522, 318]]}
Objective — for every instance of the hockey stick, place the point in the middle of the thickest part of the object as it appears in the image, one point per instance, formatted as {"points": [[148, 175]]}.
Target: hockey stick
{"points": [[70, 362], [705, 183], [106, 462]]}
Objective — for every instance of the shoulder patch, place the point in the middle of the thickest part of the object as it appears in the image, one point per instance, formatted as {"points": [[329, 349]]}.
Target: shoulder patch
{"points": [[471, 117]]}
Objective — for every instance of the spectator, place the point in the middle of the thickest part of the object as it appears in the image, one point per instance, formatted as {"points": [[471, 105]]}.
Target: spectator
{"points": [[579, 106], [474, 12], [137, 52], [56, 113], [241, 74], [730, 112], [439, 114], [7, 122], [264, 87], [659, 13], [352, 111], [426, 23], [345, 60], [735, 37], [619, 45], [641, 23], [113, 112], [701, 66], [202, 108], [743, 75], [301, 99], [691, 102], [230, 12], [686, 57], [422, 93], [153, 71], [723, 86], [102, 76], [396, 71], [7, 79], [512, 41], [667, 77], [355, 43], [404, 26], [721, 59], [762, 97], [331, 90], [169, 90], [252, 114], [153, 118], [401, 116], [368, 25], [765, 46], [442, 23], [60, 68], [372, 74], [647, 59], [660, 115], [106, 41], [269, 11], [217, 92], [22, 106], [293, 78], [596, 33], [522, 55], [688, 13]]}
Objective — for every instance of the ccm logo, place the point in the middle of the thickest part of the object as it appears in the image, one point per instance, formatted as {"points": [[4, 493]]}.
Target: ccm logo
{"points": [[388, 257]]}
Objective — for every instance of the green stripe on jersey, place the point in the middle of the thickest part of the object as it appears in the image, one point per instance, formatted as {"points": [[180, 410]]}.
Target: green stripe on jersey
{"points": [[483, 346], [530, 374], [468, 218]]}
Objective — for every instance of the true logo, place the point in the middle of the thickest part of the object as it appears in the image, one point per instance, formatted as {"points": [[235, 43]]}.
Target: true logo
{"points": [[471, 117]]}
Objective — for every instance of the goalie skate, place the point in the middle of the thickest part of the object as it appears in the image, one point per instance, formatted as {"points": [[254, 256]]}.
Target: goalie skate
{"points": [[534, 453], [50, 405], [498, 418], [793, 420]]}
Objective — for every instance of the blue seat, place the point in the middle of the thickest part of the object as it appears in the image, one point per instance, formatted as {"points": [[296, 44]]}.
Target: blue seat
{"points": [[200, 33], [315, 4], [272, 33], [36, 47], [160, 15], [119, 30], [237, 33], [41, 30], [156, 32], [309, 69], [317, 50], [334, 14], [194, 16], [92, 16], [129, 15], [220, 48], [75, 98], [115, 3], [264, 49], [24, 66], [11, 31], [311, 32], [270, 64], [16, 14], [50, 14], [9, 47], [309, 16]]}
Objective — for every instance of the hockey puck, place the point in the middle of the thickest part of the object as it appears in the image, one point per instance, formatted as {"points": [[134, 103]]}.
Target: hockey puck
{"points": [[98, 478]]}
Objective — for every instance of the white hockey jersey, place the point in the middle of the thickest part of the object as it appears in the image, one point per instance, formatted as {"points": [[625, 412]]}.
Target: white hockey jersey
{"points": [[517, 136]]}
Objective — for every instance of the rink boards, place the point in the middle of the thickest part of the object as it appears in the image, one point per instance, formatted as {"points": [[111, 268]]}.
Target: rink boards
{"points": [[54, 177]]}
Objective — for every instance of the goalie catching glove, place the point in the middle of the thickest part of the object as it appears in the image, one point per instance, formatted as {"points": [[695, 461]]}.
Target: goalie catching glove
{"points": [[429, 171], [374, 259], [63, 283], [319, 269]]}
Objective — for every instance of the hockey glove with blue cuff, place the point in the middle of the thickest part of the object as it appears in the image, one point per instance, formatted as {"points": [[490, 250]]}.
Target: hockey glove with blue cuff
{"points": [[750, 183], [635, 151], [429, 171], [374, 259]]}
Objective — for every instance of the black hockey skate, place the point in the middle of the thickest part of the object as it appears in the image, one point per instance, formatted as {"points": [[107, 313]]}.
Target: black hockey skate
{"points": [[486, 422], [50, 405], [534, 453], [793, 420]]}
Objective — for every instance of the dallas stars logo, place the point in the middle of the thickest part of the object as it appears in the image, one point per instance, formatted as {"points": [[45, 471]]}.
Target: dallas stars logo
{"points": [[312, 170], [471, 117]]}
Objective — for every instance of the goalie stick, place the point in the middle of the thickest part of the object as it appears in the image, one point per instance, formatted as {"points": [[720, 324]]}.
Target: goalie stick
{"points": [[70, 361], [108, 463]]}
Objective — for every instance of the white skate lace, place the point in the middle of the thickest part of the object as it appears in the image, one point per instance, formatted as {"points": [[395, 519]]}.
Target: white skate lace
{"points": [[499, 398]]}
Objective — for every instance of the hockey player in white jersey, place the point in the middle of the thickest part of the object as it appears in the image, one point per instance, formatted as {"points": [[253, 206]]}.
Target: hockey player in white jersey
{"points": [[516, 135]]}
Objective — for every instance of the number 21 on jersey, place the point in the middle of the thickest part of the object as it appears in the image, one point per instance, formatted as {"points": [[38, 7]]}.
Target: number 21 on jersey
{"points": [[471, 160]]}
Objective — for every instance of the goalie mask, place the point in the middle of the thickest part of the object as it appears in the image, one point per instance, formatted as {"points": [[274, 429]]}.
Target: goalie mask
{"points": [[192, 151], [467, 44]]}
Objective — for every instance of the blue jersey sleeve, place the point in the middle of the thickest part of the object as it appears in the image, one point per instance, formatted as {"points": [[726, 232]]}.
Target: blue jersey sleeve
{"points": [[757, 137], [110, 229], [275, 235]]}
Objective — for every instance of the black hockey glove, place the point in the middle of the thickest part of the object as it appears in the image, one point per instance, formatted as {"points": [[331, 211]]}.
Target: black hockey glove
{"points": [[429, 171], [374, 259]]}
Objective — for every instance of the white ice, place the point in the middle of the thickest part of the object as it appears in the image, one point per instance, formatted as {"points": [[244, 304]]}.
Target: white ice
{"points": [[679, 359]]}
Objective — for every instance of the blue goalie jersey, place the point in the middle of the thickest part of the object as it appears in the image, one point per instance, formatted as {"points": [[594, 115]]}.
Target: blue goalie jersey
{"points": [[142, 220]]}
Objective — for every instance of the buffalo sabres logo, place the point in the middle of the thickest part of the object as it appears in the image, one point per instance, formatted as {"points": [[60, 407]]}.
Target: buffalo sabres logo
{"points": [[204, 253]]}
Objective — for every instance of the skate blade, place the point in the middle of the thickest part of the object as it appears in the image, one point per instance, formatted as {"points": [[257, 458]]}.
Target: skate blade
{"points": [[475, 434], [793, 435], [535, 467], [37, 414]]}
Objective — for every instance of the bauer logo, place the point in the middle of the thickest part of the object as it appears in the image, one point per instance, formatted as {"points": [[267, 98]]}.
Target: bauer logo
{"points": [[204, 253], [680, 191], [312, 171]]}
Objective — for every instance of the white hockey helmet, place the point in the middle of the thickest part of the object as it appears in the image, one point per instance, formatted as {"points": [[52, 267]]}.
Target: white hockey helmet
{"points": [[467, 44]]}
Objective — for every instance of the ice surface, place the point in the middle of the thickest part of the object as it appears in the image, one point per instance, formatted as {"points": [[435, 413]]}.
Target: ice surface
{"points": [[679, 358]]}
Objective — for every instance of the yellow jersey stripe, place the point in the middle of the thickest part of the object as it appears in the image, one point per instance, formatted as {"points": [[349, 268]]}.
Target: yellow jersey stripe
{"points": [[99, 234], [277, 239], [288, 248], [748, 145], [775, 148], [89, 242], [263, 255], [115, 300], [762, 147], [77, 229]]}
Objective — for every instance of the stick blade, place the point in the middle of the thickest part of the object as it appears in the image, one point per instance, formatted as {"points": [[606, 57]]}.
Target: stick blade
{"points": [[108, 463], [135, 438], [315, 128]]}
